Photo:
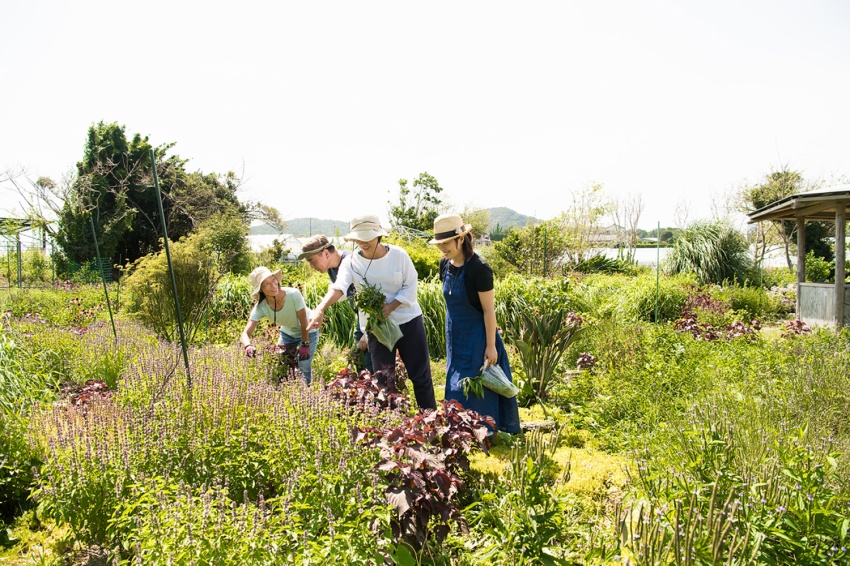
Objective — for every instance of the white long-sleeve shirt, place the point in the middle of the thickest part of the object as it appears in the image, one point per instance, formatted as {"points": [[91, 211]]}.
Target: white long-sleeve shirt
{"points": [[394, 274]]}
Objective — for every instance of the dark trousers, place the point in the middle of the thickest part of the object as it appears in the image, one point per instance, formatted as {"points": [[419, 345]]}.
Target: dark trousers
{"points": [[367, 357], [413, 349]]}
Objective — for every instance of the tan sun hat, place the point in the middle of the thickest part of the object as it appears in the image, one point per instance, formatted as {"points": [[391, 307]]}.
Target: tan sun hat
{"points": [[448, 226], [314, 245], [259, 275], [364, 229]]}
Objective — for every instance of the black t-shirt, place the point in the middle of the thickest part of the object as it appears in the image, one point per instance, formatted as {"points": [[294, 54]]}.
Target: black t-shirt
{"points": [[478, 278]]}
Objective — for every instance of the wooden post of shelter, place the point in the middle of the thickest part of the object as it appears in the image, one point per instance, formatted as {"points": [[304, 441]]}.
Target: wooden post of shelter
{"points": [[801, 258], [817, 303], [840, 291]]}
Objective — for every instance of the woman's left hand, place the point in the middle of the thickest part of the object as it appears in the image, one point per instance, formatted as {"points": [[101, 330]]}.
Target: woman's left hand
{"points": [[491, 356], [304, 352]]}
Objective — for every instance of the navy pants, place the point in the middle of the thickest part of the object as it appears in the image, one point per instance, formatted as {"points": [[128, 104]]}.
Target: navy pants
{"points": [[413, 349]]}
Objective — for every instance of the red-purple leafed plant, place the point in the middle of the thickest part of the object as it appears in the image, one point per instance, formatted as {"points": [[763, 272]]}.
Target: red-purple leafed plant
{"points": [[795, 328], [366, 389], [707, 332], [421, 462]]}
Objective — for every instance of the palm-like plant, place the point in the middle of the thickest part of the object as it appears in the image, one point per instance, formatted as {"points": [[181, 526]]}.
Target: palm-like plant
{"points": [[542, 340], [714, 251]]}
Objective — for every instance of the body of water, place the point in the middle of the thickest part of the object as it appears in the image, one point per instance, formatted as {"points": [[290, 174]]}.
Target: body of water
{"points": [[650, 256]]}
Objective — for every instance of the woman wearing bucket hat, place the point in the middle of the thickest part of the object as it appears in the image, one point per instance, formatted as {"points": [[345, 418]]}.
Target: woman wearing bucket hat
{"points": [[472, 340], [390, 269], [284, 306]]}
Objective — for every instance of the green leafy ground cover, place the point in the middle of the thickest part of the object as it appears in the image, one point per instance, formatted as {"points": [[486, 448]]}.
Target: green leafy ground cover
{"points": [[705, 438]]}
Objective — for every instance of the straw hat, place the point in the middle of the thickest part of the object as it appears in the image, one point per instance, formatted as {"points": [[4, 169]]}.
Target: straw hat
{"points": [[447, 227], [364, 228], [314, 245], [259, 275]]}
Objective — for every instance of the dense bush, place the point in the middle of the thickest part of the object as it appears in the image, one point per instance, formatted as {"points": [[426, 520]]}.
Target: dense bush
{"points": [[819, 270], [425, 257], [150, 293], [753, 302], [631, 299]]}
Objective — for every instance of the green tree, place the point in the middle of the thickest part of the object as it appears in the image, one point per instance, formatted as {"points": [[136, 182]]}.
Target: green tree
{"points": [[537, 249], [417, 206], [478, 218], [114, 185], [775, 186]]}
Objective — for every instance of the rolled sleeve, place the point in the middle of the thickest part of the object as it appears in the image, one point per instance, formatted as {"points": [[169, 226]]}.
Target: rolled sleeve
{"points": [[407, 294]]}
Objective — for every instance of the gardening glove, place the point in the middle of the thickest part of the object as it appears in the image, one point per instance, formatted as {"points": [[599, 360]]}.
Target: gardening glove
{"points": [[304, 352], [250, 351]]}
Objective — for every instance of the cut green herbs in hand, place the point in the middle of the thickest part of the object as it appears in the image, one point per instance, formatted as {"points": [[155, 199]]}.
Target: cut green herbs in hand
{"points": [[370, 300], [474, 385]]}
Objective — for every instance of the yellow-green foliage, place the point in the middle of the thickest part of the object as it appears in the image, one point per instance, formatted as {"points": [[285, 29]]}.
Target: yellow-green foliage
{"points": [[492, 465], [425, 257], [593, 474], [78, 306], [149, 288], [633, 299]]}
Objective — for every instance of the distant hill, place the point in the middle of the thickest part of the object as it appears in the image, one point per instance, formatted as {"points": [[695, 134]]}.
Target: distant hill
{"points": [[301, 227], [507, 218]]}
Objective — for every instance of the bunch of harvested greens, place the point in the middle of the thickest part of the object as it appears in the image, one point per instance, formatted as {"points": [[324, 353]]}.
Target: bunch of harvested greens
{"points": [[370, 300]]}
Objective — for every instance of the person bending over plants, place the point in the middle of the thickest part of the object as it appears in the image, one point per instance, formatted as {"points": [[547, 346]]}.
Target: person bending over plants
{"points": [[323, 257], [472, 342], [385, 280], [283, 306]]}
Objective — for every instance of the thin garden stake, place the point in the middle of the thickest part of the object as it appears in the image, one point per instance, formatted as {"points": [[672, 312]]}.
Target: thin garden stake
{"points": [[171, 271], [102, 276], [657, 266]]}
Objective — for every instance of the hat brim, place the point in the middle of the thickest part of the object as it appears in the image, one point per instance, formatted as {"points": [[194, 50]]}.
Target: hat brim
{"points": [[363, 235], [305, 255], [465, 229], [255, 294]]}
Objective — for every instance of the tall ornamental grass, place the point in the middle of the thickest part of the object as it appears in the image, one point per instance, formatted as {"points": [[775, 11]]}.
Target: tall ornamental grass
{"points": [[744, 445], [714, 251], [19, 391], [727, 491]]}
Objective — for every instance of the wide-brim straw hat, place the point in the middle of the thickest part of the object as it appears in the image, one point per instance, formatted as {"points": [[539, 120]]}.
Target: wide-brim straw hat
{"points": [[364, 229], [314, 245], [259, 275], [447, 227]]}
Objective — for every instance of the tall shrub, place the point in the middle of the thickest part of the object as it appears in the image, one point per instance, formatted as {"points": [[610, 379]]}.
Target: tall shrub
{"points": [[149, 290]]}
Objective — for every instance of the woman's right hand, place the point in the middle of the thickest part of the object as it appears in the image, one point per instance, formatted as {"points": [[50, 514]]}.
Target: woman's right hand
{"points": [[250, 351]]}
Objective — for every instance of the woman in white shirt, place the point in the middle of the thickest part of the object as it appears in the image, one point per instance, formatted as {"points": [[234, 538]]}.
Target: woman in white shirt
{"points": [[390, 269], [283, 306]]}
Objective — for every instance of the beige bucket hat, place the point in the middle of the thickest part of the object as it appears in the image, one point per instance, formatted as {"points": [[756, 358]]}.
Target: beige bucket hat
{"points": [[364, 228], [259, 275]]}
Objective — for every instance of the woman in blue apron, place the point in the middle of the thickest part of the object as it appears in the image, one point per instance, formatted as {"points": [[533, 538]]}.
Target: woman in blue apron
{"points": [[472, 339]]}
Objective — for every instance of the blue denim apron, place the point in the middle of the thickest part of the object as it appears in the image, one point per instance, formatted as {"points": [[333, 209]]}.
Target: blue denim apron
{"points": [[466, 341]]}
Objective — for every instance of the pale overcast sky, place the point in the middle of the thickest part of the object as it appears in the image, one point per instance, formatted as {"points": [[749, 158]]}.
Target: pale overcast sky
{"points": [[327, 104]]}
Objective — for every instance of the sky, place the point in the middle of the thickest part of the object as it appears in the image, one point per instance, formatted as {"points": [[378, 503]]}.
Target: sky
{"points": [[322, 106]]}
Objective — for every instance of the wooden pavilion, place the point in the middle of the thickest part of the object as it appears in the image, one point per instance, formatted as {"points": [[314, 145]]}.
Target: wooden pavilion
{"points": [[817, 303]]}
